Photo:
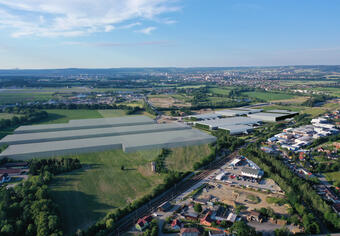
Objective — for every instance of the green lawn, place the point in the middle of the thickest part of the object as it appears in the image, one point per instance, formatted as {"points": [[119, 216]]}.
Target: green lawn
{"points": [[333, 177], [86, 195], [9, 98], [268, 96]]}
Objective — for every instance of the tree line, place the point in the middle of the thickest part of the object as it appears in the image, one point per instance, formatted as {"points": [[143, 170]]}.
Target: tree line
{"points": [[54, 165], [30, 116]]}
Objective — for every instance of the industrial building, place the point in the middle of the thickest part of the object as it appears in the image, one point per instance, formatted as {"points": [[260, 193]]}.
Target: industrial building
{"points": [[209, 116], [88, 133], [272, 117], [284, 112], [127, 137], [235, 125], [252, 173], [87, 124], [231, 112]]}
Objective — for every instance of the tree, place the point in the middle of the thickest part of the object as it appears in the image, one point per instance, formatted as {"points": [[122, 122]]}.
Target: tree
{"points": [[122, 167], [7, 229], [284, 231], [240, 228], [198, 207], [109, 223]]}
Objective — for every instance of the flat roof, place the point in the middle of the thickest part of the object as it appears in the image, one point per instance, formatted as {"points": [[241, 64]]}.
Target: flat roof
{"points": [[87, 123], [205, 116], [230, 121], [283, 111], [230, 112], [253, 110], [236, 128], [267, 114], [88, 133], [130, 142]]}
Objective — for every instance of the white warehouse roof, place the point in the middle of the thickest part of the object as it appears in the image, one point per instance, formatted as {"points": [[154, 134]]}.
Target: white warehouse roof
{"points": [[236, 129], [266, 116], [88, 133], [87, 124], [230, 112], [128, 143], [231, 121]]}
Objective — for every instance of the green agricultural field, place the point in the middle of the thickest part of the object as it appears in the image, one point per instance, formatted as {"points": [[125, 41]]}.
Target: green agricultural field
{"points": [[333, 177], [10, 98], [85, 195], [190, 86], [63, 116], [268, 96], [220, 91], [183, 158], [112, 113]]}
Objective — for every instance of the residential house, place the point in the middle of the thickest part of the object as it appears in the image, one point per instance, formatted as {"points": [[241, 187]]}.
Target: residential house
{"points": [[206, 220], [176, 224], [189, 232], [254, 216], [220, 214], [143, 223]]}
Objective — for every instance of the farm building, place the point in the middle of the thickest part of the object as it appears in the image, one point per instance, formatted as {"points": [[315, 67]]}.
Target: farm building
{"points": [[87, 124], [126, 137]]}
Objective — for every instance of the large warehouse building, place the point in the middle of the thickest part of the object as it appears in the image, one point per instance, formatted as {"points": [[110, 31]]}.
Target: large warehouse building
{"points": [[87, 124], [127, 133], [235, 125], [272, 116], [88, 133]]}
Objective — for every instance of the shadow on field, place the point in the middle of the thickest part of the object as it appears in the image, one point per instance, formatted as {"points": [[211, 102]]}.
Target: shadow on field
{"points": [[52, 117], [78, 210], [65, 179]]}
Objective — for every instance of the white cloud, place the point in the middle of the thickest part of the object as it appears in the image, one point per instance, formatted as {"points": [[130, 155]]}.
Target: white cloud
{"points": [[128, 26], [119, 44], [147, 30], [50, 18]]}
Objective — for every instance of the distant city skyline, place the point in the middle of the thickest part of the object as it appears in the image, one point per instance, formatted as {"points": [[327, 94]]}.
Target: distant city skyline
{"points": [[42, 34]]}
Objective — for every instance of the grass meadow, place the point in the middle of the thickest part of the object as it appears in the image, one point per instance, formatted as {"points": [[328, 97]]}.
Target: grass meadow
{"points": [[268, 96], [183, 158], [10, 98], [85, 195]]}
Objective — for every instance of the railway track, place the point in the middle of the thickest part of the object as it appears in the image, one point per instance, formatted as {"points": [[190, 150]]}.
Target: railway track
{"points": [[129, 220]]}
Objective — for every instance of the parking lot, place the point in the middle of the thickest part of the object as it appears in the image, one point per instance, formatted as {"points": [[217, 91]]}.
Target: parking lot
{"points": [[232, 176]]}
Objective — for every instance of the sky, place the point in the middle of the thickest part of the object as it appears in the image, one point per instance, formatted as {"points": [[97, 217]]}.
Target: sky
{"points": [[168, 33]]}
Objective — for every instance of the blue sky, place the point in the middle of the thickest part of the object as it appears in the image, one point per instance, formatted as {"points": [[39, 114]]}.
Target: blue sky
{"points": [[159, 33]]}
